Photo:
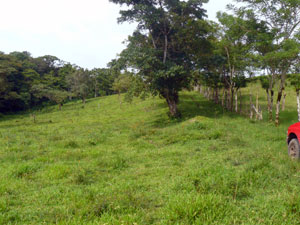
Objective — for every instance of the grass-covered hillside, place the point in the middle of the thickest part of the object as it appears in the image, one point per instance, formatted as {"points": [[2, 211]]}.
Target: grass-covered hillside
{"points": [[103, 164]]}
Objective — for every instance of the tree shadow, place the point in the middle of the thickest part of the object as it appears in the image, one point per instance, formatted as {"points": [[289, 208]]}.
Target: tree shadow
{"points": [[288, 117], [18, 117], [22, 123], [191, 105]]}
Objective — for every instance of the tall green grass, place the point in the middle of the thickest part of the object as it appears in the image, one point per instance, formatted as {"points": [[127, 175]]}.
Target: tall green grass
{"points": [[103, 164]]}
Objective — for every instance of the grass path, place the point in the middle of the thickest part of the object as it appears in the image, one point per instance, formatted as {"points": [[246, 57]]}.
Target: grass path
{"points": [[103, 164]]}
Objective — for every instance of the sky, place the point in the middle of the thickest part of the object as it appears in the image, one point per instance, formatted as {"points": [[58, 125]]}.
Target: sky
{"points": [[84, 32]]}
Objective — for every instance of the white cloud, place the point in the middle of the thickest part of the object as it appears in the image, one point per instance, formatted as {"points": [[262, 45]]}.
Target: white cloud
{"points": [[84, 32]]}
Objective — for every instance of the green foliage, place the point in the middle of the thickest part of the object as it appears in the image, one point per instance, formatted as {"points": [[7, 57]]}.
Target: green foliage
{"points": [[80, 83], [103, 80], [157, 51], [137, 89], [281, 16], [27, 82], [235, 48], [54, 95], [275, 28], [264, 82], [122, 83], [295, 81]]}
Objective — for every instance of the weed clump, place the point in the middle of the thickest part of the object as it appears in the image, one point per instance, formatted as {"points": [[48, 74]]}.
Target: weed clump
{"points": [[25, 170], [119, 164], [215, 135], [71, 144], [198, 209], [197, 126], [82, 177], [101, 208]]}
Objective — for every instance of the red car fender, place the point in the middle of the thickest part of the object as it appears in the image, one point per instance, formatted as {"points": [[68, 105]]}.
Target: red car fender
{"points": [[293, 132]]}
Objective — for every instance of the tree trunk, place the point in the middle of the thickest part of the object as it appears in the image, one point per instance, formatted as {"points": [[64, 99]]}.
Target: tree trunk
{"points": [[241, 103], [34, 117], [226, 99], [278, 107], [261, 113], [120, 100], [283, 102], [236, 101], [223, 97], [271, 107], [172, 107], [95, 93], [269, 101], [172, 99], [258, 112], [270, 89], [166, 49], [217, 96], [231, 99], [256, 117], [208, 93], [298, 104], [251, 110], [200, 89], [280, 92], [59, 106]]}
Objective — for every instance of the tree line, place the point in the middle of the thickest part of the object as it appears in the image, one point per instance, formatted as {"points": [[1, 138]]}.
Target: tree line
{"points": [[27, 82], [175, 47]]}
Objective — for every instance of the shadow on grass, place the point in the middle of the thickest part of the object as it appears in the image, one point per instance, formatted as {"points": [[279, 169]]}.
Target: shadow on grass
{"points": [[20, 123], [18, 117], [288, 117], [49, 108], [190, 106]]}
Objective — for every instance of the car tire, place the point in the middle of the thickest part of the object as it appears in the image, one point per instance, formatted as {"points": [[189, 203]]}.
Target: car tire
{"points": [[294, 149]]}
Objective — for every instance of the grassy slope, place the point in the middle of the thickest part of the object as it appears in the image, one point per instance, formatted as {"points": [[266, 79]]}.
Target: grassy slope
{"points": [[102, 164]]}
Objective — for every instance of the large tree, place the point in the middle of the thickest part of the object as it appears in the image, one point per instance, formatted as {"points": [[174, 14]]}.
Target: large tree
{"points": [[169, 41]]}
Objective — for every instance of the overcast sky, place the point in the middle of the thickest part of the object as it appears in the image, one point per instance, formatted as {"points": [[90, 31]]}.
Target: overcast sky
{"points": [[84, 32]]}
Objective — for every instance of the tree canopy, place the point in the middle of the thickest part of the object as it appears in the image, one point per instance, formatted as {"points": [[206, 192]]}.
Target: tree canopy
{"points": [[170, 40], [27, 82]]}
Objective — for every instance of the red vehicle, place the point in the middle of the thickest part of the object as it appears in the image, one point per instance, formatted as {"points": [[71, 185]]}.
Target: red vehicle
{"points": [[293, 136]]}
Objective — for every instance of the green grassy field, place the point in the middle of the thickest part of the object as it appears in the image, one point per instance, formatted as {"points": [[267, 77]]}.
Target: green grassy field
{"points": [[103, 164]]}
